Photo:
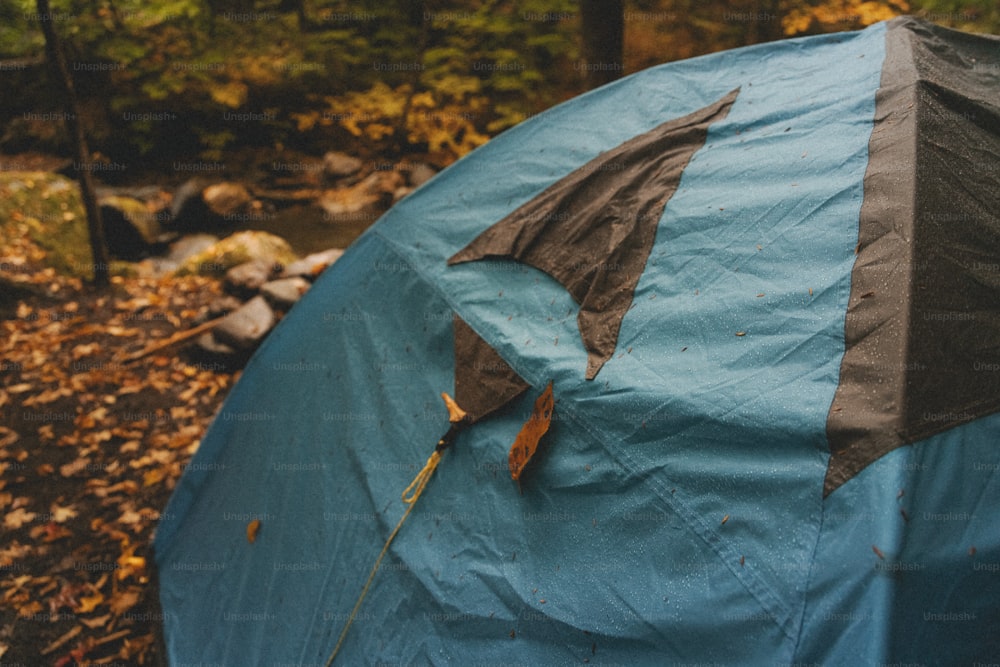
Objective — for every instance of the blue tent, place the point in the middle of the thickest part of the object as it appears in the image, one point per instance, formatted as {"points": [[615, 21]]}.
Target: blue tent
{"points": [[775, 435]]}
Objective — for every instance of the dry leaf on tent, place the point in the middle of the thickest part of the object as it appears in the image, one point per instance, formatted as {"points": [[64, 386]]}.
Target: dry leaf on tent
{"points": [[526, 443]]}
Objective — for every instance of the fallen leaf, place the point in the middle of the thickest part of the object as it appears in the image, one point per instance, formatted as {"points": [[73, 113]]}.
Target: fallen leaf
{"points": [[66, 597], [50, 532], [87, 350], [153, 476], [125, 600], [12, 553], [30, 609], [129, 447], [61, 514], [129, 517], [73, 467], [89, 603], [252, 529], [94, 623], [17, 518], [8, 436], [48, 396], [526, 443]]}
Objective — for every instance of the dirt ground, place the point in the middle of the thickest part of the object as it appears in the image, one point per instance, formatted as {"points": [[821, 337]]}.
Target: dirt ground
{"points": [[91, 446]]}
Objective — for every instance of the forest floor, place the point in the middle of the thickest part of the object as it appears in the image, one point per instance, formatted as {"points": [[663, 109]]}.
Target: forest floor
{"points": [[91, 446]]}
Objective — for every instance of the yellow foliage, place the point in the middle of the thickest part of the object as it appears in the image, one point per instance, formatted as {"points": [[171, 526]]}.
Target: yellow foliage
{"points": [[446, 123], [232, 94], [834, 15], [306, 121]]}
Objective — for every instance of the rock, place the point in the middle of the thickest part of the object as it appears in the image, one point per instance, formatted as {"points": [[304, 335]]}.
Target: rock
{"points": [[246, 279], [45, 211], [420, 173], [208, 344], [189, 245], [209, 354], [198, 206], [130, 228], [245, 327], [154, 267], [374, 192], [312, 265], [284, 293], [187, 208], [222, 305], [238, 249], [227, 200], [338, 165]]}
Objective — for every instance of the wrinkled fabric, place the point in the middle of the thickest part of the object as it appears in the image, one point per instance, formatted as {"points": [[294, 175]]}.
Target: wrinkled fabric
{"points": [[593, 230], [674, 512], [923, 326]]}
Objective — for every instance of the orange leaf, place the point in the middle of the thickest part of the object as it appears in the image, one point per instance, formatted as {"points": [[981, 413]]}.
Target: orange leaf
{"points": [[153, 476], [88, 604], [50, 532], [98, 622], [30, 609], [17, 518], [62, 514], [252, 529], [7, 436], [125, 600], [527, 440]]}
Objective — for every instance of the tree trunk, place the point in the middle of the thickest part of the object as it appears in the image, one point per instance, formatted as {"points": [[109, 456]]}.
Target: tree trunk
{"points": [[400, 131], [603, 25], [60, 70]]}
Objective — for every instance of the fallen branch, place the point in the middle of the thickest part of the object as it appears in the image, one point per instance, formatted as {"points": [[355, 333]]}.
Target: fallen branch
{"points": [[178, 337], [62, 640]]}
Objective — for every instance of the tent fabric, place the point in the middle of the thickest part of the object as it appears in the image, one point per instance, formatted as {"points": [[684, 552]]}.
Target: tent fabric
{"points": [[936, 135], [593, 230], [486, 383], [676, 510]]}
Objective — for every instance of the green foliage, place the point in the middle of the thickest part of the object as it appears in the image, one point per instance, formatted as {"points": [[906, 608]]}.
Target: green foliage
{"points": [[438, 76], [213, 143], [969, 15]]}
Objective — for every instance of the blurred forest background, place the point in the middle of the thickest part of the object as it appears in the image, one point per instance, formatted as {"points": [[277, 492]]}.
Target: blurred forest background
{"points": [[387, 77]]}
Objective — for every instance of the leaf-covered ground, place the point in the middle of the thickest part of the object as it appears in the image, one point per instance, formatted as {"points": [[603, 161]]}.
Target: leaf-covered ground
{"points": [[90, 448]]}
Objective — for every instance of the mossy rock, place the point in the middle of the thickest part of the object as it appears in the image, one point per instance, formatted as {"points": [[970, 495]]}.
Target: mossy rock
{"points": [[47, 209], [238, 249]]}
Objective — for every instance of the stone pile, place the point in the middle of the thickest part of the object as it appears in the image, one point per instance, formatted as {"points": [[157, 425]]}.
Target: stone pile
{"points": [[262, 280]]}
